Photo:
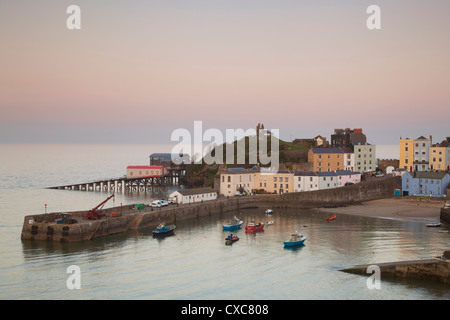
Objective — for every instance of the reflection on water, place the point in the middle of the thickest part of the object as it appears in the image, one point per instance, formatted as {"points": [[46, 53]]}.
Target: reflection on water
{"points": [[195, 262]]}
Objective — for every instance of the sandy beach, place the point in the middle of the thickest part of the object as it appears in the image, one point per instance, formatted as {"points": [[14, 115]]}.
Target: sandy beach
{"points": [[395, 208]]}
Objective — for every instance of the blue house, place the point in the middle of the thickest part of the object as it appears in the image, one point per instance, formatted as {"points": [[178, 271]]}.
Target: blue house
{"points": [[425, 183]]}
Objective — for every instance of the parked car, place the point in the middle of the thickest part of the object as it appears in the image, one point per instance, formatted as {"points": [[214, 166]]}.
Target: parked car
{"points": [[155, 204], [163, 203], [172, 200]]}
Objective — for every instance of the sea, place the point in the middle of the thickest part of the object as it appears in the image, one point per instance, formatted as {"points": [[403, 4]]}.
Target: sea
{"points": [[194, 264]]}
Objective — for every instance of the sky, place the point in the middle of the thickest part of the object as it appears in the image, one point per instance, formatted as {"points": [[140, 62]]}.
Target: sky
{"points": [[138, 70]]}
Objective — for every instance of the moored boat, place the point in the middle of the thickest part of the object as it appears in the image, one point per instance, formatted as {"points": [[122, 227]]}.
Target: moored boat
{"points": [[254, 227], [433, 225], [269, 211], [163, 230], [296, 239], [231, 239], [233, 225], [330, 218]]}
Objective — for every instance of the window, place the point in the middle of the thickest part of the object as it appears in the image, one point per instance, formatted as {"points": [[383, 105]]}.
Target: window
{"points": [[229, 179]]}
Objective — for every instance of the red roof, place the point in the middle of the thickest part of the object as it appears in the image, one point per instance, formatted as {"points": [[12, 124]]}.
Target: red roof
{"points": [[144, 167]]}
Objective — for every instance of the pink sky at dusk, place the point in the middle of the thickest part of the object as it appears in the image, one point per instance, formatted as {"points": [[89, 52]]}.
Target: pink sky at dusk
{"points": [[305, 67]]}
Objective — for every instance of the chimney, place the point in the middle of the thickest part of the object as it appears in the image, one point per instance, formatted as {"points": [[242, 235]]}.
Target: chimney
{"points": [[431, 139]]}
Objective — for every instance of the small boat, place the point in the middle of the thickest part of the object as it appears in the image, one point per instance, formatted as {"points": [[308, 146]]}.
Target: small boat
{"points": [[270, 223], [231, 239], [163, 230], [330, 218], [233, 225], [296, 239], [269, 211], [254, 227], [433, 225]]}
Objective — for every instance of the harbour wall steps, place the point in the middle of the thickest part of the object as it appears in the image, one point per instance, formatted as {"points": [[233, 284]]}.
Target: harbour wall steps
{"points": [[431, 269], [445, 215]]}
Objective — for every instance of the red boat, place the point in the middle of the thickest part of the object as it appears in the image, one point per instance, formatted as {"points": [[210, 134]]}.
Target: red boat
{"points": [[254, 227], [331, 218]]}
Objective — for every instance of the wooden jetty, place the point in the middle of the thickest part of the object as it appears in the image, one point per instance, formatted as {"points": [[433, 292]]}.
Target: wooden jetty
{"points": [[124, 184]]}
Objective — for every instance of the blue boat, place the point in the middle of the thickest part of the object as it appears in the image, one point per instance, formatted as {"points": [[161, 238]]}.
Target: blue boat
{"points": [[233, 225], [163, 230], [296, 239]]}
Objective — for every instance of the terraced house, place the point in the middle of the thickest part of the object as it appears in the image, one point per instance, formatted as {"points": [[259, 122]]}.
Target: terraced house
{"points": [[414, 154], [440, 156], [279, 183], [365, 159], [327, 159], [419, 183]]}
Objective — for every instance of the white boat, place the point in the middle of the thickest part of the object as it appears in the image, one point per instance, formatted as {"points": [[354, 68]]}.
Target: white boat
{"points": [[433, 225], [269, 211]]}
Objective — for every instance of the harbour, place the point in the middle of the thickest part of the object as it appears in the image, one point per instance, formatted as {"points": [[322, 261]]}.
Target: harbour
{"points": [[193, 263]]}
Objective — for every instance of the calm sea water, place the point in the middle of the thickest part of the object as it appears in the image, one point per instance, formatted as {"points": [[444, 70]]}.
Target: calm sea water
{"points": [[195, 263]]}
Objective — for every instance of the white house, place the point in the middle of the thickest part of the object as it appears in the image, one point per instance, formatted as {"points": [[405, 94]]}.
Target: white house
{"points": [[349, 161], [194, 195], [305, 181]]}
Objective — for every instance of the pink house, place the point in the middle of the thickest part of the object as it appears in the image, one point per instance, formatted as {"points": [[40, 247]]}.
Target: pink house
{"points": [[346, 177]]}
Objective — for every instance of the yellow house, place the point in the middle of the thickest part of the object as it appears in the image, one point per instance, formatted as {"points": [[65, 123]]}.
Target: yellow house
{"points": [[407, 154], [439, 158], [279, 183]]}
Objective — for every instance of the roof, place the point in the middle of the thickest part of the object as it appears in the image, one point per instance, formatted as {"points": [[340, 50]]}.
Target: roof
{"points": [[145, 167], [346, 172], [237, 170], [326, 174], [305, 173], [421, 138], [427, 175], [327, 150], [189, 192], [168, 156]]}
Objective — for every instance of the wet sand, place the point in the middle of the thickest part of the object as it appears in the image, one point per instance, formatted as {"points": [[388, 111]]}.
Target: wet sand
{"points": [[395, 208]]}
